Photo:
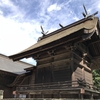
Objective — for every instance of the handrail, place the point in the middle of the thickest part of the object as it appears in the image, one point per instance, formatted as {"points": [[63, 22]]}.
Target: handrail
{"points": [[56, 85]]}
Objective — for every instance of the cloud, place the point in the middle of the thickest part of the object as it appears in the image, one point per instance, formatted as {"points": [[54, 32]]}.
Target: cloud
{"points": [[43, 5], [20, 20], [10, 10], [17, 29], [16, 32], [53, 7], [16, 36], [98, 5], [1, 12], [93, 6]]}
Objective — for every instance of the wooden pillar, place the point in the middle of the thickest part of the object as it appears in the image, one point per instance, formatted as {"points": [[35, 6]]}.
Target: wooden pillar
{"points": [[81, 97], [82, 91], [36, 72], [42, 95], [29, 96], [36, 77], [17, 95], [59, 94], [52, 67], [91, 96], [52, 72], [83, 73], [72, 67]]}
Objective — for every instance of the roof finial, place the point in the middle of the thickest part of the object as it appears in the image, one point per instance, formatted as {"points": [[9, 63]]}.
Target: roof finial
{"points": [[86, 14], [43, 32], [61, 25]]}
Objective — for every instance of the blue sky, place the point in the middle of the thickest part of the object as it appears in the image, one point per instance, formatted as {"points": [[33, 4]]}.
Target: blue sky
{"points": [[20, 20]]}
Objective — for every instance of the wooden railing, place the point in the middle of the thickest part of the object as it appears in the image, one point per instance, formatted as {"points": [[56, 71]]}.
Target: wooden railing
{"points": [[55, 85]]}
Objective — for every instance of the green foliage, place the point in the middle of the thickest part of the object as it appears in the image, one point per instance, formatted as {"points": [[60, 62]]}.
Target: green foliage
{"points": [[96, 77]]}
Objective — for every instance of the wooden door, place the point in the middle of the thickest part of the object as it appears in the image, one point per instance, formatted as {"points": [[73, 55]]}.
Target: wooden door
{"points": [[44, 75]]}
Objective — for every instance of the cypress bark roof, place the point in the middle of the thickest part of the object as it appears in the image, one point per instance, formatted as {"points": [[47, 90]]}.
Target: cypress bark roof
{"points": [[87, 23], [8, 65]]}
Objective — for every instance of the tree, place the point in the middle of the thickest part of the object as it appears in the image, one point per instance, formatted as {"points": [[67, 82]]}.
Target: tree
{"points": [[96, 77]]}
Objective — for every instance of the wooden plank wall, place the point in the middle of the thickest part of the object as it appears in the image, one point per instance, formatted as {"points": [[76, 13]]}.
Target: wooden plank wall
{"points": [[78, 73], [88, 77], [6, 79], [32, 78], [54, 68], [82, 60]]}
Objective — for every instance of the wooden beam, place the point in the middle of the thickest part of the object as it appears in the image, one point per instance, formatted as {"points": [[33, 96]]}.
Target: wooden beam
{"points": [[37, 50], [51, 53], [72, 67], [94, 43], [77, 62]]}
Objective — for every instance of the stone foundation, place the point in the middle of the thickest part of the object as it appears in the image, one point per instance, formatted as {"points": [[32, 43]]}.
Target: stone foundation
{"points": [[1, 94], [46, 99]]}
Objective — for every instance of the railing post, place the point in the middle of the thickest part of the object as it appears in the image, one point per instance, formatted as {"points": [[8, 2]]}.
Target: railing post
{"points": [[17, 95], [59, 94], [29, 95], [42, 95], [82, 91], [81, 96], [91, 96]]}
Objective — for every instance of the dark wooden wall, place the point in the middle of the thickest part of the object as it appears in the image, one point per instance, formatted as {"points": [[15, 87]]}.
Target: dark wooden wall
{"points": [[6, 78], [54, 66], [65, 63]]}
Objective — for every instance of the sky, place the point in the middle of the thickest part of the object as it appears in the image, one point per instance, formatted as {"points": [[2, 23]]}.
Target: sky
{"points": [[20, 20]]}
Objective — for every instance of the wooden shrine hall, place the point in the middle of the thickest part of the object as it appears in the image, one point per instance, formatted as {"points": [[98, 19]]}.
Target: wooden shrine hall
{"points": [[65, 60]]}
